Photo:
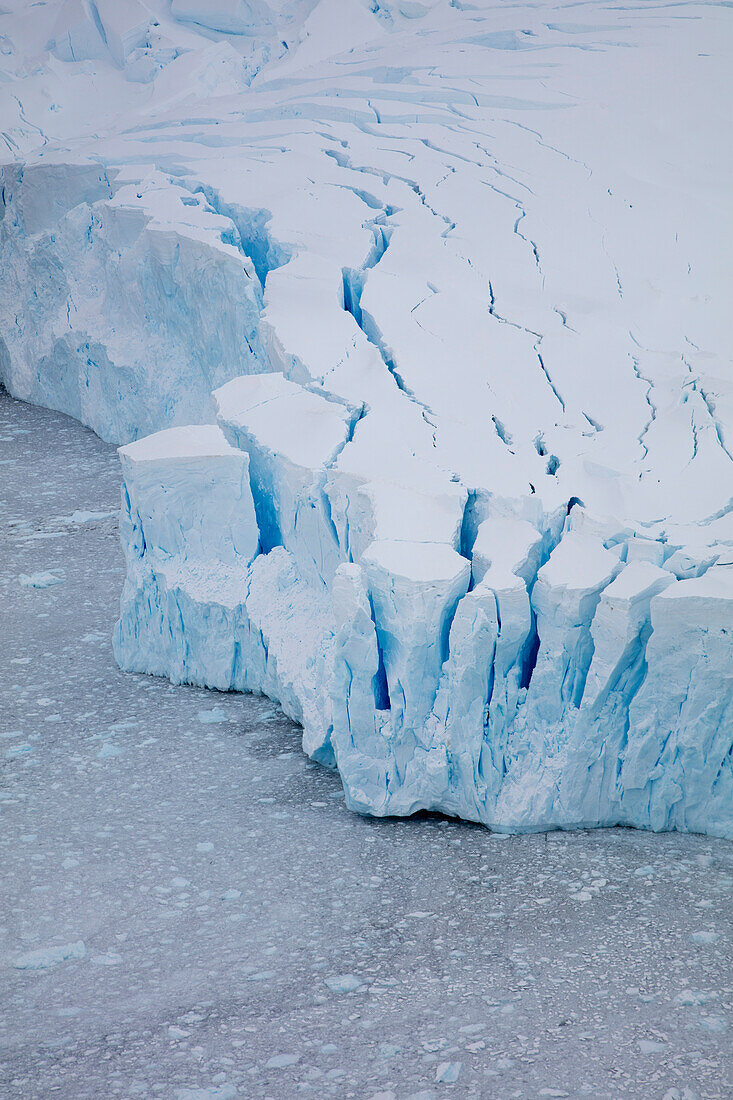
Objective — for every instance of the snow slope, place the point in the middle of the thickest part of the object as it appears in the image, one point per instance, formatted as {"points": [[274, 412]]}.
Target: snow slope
{"points": [[453, 281]]}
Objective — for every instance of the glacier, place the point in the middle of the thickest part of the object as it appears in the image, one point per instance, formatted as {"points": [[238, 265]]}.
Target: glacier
{"points": [[411, 322]]}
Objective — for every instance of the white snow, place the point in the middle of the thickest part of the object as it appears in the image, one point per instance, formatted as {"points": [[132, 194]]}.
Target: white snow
{"points": [[413, 322]]}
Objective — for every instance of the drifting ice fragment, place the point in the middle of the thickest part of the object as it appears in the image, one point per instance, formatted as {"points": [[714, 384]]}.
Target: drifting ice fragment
{"points": [[44, 957], [45, 579]]}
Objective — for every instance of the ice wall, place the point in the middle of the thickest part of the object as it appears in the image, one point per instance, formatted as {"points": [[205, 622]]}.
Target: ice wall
{"points": [[414, 324], [119, 329], [546, 681]]}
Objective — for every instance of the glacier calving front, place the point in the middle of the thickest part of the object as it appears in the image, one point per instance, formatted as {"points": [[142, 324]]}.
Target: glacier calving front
{"points": [[426, 307], [548, 681]]}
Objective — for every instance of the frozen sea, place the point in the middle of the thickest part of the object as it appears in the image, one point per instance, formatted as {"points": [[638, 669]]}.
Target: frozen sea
{"points": [[188, 911]]}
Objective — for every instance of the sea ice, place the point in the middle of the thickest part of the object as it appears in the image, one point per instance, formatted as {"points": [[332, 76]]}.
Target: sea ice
{"points": [[44, 957], [44, 579]]}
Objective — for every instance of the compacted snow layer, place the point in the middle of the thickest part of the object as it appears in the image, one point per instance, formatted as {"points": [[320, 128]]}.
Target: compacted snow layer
{"points": [[426, 308]]}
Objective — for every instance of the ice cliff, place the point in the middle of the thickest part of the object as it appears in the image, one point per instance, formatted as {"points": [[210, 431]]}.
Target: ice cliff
{"points": [[412, 322]]}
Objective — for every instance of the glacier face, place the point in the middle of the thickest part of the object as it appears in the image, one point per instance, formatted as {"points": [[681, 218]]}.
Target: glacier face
{"points": [[412, 321], [549, 681]]}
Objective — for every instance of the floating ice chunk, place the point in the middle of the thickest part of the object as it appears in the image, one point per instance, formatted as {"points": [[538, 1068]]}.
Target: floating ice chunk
{"points": [[344, 983], [45, 579], [694, 997], [82, 516], [705, 938], [108, 751], [110, 958], [215, 1092], [282, 1061], [447, 1073], [212, 717], [45, 957], [717, 1024], [18, 750]]}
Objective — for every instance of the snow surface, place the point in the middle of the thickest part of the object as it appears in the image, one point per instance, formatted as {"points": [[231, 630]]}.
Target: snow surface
{"points": [[246, 936], [457, 276]]}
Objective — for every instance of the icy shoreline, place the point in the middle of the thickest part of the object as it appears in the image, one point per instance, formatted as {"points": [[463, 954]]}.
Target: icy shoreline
{"points": [[432, 314], [563, 685], [225, 896]]}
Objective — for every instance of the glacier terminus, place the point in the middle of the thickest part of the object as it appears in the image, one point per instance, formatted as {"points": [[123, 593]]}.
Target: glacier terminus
{"points": [[412, 322]]}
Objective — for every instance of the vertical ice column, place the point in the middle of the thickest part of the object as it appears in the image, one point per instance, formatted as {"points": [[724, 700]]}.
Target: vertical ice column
{"points": [[451, 764], [620, 630], [589, 790], [361, 748], [414, 589], [678, 766], [565, 598], [291, 436], [507, 554], [189, 534]]}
